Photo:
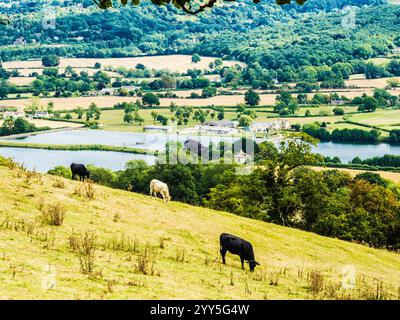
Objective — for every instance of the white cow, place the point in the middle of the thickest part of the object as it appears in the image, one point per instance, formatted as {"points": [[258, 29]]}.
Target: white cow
{"points": [[157, 186]]}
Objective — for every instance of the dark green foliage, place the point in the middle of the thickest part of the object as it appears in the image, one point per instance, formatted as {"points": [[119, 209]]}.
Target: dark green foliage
{"points": [[50, 60], [373, 178], [388, 160], [150, 99], [316, 131], [19, 125], [251, 98], [61, 171]]}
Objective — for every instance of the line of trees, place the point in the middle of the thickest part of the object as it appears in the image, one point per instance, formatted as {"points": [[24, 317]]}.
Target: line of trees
{"points": [[341, 135]]}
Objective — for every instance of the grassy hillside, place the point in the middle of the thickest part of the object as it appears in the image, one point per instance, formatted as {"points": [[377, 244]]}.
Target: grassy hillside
{"points": [[110, 238]]}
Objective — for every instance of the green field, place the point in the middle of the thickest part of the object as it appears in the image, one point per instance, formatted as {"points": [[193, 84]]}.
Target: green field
{"points": [[139, 248], [389, 119], [112, 120], [380, 118]]}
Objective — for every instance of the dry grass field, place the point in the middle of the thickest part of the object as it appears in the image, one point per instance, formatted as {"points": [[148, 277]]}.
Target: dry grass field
{"points": [[174, 63], [393, 176], [21, 81], [109, 101], [370, 83], [70, 240], [52, 124], [222, 100], [25, 73]]}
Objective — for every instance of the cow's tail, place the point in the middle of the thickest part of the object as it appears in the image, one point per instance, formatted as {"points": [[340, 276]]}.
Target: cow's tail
{"points": [[220, 241]]}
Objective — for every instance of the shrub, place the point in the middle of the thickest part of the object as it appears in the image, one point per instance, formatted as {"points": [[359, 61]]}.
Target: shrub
{"points": [[61, 171], [85, 245], [53, 214], [101, 175], [145, 262], [58, 183]]}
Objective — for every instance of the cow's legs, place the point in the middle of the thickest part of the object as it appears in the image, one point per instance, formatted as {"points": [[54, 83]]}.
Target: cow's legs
{"points": [[73, 176], [163, 196], [223, 253], [242, 261]]}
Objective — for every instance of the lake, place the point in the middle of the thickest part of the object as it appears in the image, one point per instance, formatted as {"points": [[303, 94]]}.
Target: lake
{"points": [[347, 152], [151, 141], [43, 160]]}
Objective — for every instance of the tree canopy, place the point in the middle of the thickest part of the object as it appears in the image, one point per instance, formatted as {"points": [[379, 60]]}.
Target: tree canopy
{"points": [[188, 6]]}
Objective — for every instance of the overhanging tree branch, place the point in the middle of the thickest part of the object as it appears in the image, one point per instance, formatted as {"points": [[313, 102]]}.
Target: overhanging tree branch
{"points": [[4, 20], [184, 5]]}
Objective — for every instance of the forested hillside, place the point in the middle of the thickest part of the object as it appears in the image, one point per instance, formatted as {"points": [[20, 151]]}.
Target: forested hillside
{"points": [[147, 29]]}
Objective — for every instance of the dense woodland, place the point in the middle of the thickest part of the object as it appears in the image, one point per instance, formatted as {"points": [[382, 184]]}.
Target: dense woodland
{"points": [[276, 42]]}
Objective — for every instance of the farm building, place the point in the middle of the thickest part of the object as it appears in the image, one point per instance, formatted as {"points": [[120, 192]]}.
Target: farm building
{"points": [[268, 126], [40, 114], [242, 157], [220, 123], [195, 147], [208, 129], [107, 91], [157, 128], [216, 129], [337, 102], [14, 115]]}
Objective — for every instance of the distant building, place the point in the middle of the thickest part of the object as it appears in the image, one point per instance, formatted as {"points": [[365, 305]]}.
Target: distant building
{"points": [[195, 147], [269, 126], [396, 50], [220, 123], [41, 114], [20, 41], [157, 128], [14, 115], [216, 129], [107, 91], [242, 157], [337, 102]]}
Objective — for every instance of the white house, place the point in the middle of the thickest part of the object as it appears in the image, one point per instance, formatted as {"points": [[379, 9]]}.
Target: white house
{"points": [[242, 157], [396, 50], [158, 128], [337, 102], [268, 126], [107, 91], [216, 129], [220, 123], [13, 114], [41, 114]]}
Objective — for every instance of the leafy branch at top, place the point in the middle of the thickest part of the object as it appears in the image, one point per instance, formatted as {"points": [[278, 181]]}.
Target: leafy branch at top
{"points": [[185, 5]]}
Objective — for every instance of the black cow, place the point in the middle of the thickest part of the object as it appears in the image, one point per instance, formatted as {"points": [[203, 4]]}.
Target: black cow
{"points": [[241, 247], [79, 170]]}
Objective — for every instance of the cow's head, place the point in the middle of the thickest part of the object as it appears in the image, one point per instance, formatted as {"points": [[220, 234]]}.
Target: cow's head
{"points": [[88, 174], [253, 264]]}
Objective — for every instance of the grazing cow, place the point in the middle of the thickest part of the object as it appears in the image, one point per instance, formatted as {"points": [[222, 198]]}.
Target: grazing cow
{"points": [[241, 247], [157, 186], [79, 170]]}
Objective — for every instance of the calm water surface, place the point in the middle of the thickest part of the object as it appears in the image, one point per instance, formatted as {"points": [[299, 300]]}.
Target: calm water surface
{"points": [[44, 160]]}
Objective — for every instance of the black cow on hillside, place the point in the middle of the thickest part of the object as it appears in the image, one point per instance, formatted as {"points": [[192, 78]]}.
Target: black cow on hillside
{"points": [[241, 247], [80, 171]]}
